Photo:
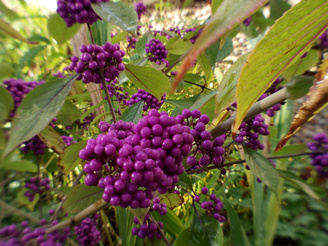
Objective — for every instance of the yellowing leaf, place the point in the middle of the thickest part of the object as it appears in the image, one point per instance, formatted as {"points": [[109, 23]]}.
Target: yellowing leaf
{"points": [[291, 36], [226, 17], [171, 200], [317, 99]]}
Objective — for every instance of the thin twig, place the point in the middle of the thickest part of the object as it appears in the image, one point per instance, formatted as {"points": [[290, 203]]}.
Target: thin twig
{"points": [[19, 212], [160, 231], [95, 207], [91, 35], [257, 108], [107, 95], [75, 183], [201, 86], [206, 168]]}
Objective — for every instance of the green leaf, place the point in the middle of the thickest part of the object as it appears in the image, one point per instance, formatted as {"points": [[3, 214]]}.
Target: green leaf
{"points": [[226, 94], [205, 231], [119, 37], [6, 104], [288, 39], [124, 219], [63, 190], [68, 114], [277, 8], [6, 70], [298, 86], [182, 104], [140, 213], [206, 67], [133, 113], [178, 47], [206, 104], [52, 139], [300, 184], [37, 37], [8, 29], [91, 109], [171, 200], [118, 13], [237, 230], [290, 150], [141, 44], [19, 165], [59, 31], [216, 53], [70, 159], [81, 197], [302, 65], [148, 79], [37, 109], [172, 223], [183, 238], [262, 168], [185, 179], [27, 59]]}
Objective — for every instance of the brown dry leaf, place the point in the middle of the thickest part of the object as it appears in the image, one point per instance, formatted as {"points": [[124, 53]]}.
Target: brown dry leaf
{"points": [[52, 139], [317, 99]]}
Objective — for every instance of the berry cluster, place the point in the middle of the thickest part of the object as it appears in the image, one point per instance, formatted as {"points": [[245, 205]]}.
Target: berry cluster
{"points": [[36, 185], [114, 89], [147, 228], [68, 140], [140, 8], [151, 102], [212, 206], [86, 232], [131, 161], [35, 144], [131, 42], [159, 207], [250, 130], [156, 52], [320, 161], [108, 57], [85, 123], [18, 88], [77, 11], [23, 235], [212, 152]]}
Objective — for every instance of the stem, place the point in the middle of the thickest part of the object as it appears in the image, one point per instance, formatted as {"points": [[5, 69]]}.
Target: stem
{"points": [[160, 231], [206, 168], [91, 35], [39, 190], [75, 183], [95, 207], [107, 95], [17, 211], [201, 86], [257, 108]]}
